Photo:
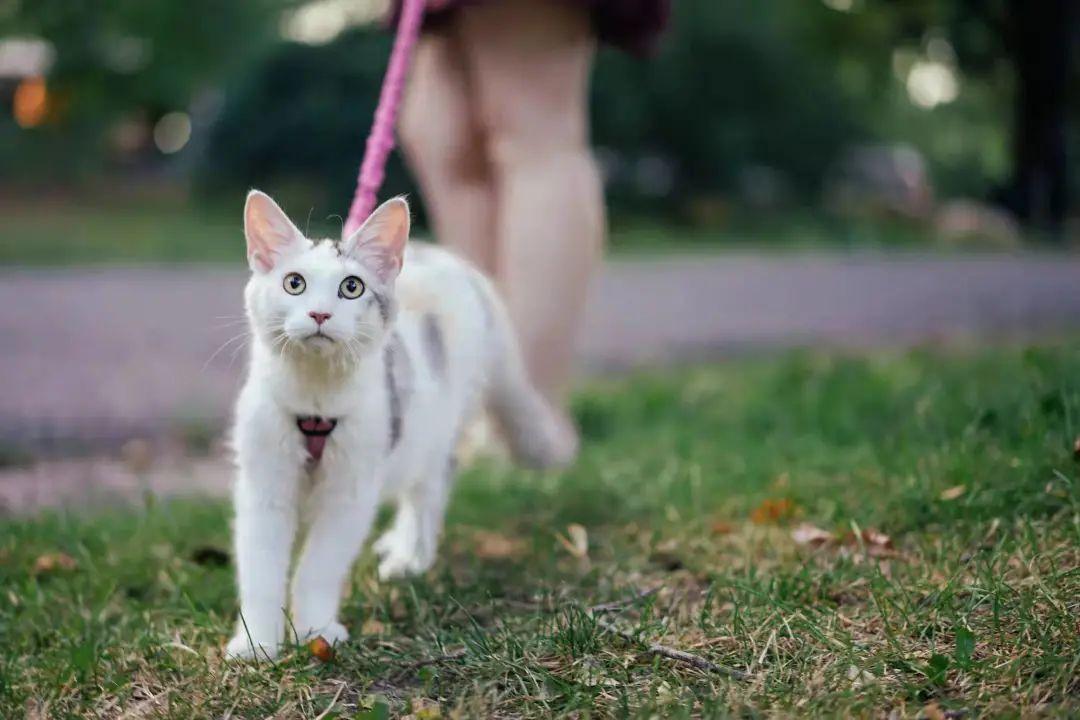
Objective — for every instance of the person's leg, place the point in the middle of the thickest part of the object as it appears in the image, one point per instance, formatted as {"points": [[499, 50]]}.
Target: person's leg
{"points": [[442, 145], [529, 62]]}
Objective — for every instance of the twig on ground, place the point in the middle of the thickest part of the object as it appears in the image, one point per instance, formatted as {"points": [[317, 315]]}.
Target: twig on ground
{"points": [[437, 660], [674, 654], [333, 702], [620, 604]]}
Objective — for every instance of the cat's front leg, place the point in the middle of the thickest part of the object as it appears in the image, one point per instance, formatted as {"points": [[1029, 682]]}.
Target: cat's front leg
{"points": [[342, 512], [265, 500]]}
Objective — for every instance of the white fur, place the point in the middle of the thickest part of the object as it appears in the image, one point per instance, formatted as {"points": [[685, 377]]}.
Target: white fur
{"points": [[343, 376]]}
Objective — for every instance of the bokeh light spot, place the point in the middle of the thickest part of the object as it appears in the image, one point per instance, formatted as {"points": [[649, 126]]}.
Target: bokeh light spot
{"points": [[931, 83], [31, 102], [839, 5], [172, 132]]}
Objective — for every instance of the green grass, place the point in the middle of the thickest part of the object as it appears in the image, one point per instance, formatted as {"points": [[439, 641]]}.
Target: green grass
{"points": [[964, 460], [156, 231], [65, 233]]}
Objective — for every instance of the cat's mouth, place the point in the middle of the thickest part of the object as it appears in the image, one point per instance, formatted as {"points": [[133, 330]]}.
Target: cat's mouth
{"points": [[319, 336]]}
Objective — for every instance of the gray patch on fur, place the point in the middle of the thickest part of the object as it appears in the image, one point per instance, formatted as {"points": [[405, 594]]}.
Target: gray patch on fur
{"points": [[384, 306], [434, 344], [399, 384]]}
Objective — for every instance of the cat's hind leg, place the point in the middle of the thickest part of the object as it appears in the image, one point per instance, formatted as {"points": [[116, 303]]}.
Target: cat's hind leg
{"points": [[410, 545]]}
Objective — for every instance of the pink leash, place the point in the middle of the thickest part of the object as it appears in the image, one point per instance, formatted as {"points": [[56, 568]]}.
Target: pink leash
{"points": [[381, 139]]}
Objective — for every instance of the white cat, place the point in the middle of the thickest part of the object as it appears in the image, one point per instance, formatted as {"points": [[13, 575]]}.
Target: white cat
{"points": [[359, 384]]}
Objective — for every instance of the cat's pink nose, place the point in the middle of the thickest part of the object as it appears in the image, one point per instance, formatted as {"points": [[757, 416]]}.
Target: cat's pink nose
{"points": [[319, 317]]}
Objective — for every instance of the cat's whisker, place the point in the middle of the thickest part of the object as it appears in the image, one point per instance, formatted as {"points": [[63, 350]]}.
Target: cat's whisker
{"points": [[230, 341], [282, 339], [237, 351], [230, 324]]}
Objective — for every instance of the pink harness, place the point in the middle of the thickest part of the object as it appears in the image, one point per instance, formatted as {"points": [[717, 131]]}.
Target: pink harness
{"points": [[380, 142]]}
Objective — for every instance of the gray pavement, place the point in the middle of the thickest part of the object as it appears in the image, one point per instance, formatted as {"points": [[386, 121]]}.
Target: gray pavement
{"points": [[95, 356]]}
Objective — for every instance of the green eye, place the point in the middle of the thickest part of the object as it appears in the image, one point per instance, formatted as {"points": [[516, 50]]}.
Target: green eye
{"points": [[294, 283], [351, 288]]}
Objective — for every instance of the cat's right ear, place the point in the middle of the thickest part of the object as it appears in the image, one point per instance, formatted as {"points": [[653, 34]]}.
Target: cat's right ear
{"points": [[268, 231]]}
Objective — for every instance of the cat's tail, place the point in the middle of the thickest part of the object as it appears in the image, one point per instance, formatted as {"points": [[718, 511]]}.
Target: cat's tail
{"points": [[538, 435]]}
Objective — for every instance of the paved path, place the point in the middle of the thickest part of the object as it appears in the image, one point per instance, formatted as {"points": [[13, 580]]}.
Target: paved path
{"points": [[96, 356]]}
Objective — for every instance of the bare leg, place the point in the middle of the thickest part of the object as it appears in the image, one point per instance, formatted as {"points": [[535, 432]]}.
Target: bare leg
{"points": [[529, 62], [442, 145]]}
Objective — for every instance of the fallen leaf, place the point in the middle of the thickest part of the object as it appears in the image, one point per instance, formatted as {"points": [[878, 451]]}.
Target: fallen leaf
{"points": [[496, 546], [933, 712], [953, 492], [321, 649], [373, 626], [576, 541], [51, 562], [874, 543], [773, 512], [722, 527], [807, 534], [878, 544], [876, 538]]}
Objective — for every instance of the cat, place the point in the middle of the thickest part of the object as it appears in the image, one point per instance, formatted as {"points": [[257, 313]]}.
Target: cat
{"points": [[360, 381]]}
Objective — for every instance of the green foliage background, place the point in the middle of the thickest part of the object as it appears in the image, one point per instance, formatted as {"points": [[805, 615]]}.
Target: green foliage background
{"points": [[785, 85]]}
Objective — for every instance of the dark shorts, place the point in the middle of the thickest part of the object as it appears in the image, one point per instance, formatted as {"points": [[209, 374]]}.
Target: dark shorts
{"points": [[633, 25]]}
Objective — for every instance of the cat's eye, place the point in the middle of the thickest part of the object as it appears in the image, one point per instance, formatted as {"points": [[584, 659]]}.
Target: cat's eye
{"points": [[294, 283], [351, 288]]}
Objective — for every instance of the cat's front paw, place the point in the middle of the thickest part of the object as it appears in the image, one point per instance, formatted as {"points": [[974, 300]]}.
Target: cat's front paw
{"points": [[243, 647], [332, 633]]}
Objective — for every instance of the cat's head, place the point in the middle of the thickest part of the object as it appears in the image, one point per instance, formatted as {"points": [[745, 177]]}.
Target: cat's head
{"points": [[322, 297]]}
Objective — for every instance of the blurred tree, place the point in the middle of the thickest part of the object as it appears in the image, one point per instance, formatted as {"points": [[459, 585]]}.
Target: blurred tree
{"points": [[1008, 134], [1041, 38], [119, 57], [297, 124], [741, 96]]}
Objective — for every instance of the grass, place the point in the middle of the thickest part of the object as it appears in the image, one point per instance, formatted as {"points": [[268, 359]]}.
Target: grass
{"points": [[952, 586], [40, 233], [65, 233]]}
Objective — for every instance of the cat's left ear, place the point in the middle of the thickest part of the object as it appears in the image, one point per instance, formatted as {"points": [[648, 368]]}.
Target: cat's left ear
{"points": [[380, 241]]}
